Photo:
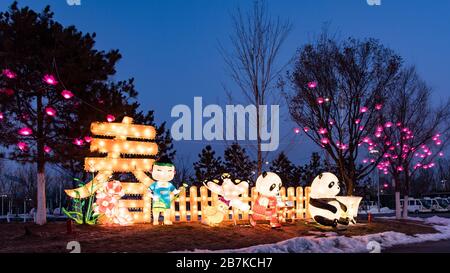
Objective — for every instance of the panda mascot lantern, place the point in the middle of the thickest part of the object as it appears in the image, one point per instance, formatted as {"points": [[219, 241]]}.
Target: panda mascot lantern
{"points": [[266, 205], [324, 207]]}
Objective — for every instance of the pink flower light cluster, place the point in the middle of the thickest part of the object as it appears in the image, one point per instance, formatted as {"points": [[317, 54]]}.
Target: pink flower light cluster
{"points": [[107, 204]]}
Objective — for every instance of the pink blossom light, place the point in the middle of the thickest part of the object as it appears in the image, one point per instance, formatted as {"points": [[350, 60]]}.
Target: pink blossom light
{"points": [[306, 129], [22, 146], [365, 161], [9, 73], [50, 111], [363, 109], [297, 131], [357, 121], [361, 128], [1, 116], [25, 131], [312, 85], [323, 131], [400, 168], [325, 140], [388, 124], [379, 106], [47, 149], [320, 100], [67, 94], [331, 122], [50, 79], [110, 118], [88, 139], [441, 154], [78, 142]]}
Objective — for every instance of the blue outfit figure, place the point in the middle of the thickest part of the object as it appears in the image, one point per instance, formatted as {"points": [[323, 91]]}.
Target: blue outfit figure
{"points": [[160, 190]]}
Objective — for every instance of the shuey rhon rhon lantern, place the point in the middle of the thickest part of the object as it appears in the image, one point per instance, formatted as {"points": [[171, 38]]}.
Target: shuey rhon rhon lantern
{"points": [[230, 191], [115, 161], [328, 209]]}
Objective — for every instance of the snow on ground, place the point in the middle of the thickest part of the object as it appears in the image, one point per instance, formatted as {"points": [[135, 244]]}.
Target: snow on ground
{"points": [[341, 244], [375, 211]]}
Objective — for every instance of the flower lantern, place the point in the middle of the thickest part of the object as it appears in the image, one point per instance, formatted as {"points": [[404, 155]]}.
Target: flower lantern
{"points": [[88, 139], [67, 94], [297, 131], [22, 146], [312, 85], [363, 109], [9, 73], [110, 118], [1, 116], [47, 149], [78, 142], [50, 80], [50, 111], [25, 131]]}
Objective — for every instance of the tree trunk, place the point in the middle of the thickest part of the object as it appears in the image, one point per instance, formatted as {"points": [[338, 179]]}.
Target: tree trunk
{"points": [[405, 198], [41, 212], [258, 137], [398, 214]]}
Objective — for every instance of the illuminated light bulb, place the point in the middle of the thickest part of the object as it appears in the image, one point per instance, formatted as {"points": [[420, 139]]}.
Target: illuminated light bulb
{"points": [[380, 129], [67, 94], [47, 149], [325, 140], [331, 122], [398, 124], [378, 134], [1, 116], [50, 79], [379, 106], [50, 111], [400, 168], [361, 128], [9, 73], [320, 100], [358, 121], [78, 142], [312, 85], [297, 131], [22, 146], [388, 124], [323, 131], [441, 154], [111, 118], [365, 161], [25, 131], [363, 109], [306, 129], [327, 99]]}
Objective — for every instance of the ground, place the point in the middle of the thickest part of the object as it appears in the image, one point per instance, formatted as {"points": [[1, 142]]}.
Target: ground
{"points": [[53, 237]]}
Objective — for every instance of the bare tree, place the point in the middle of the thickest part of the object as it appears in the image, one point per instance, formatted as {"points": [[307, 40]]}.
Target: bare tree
{"points": [[256, 43], [413, 135], [338, 89]]}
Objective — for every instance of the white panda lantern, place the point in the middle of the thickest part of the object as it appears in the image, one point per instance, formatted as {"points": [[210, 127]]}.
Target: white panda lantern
{"points": [[324, 208]]}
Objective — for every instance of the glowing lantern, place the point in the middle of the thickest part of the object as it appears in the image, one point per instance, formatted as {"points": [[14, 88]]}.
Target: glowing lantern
{"points": [[306, 129], [78, 142], [361, 128], [331, 122], [22, 146], [320, 100], [9, 73], [1, 116], [358, 121], [88, 139], [297, 131], [312, 85], [50, 111], [110, 118], [325, 141], [400, 168], [388, 124], [386, 185], [50, 79], [25, 131], [363, 109], [323, 131], [328, 209], [365, 161], [67, 94], [378, 106], [441, 154], [47, 149]]}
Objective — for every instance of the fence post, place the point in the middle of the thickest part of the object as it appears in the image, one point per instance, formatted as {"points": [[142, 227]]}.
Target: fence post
{"points": [[307, 192], [246, 200], [172, 207], [291, 197], [299, 203], [193, 203], [182, 204], [203, 200]]}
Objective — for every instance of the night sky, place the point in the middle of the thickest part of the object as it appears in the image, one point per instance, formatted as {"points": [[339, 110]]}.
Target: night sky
{"points": [[171, 47]]}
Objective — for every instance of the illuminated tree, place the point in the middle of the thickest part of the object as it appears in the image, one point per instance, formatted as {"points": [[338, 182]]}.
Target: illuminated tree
{"points": [[413, 134], [339, 89]]}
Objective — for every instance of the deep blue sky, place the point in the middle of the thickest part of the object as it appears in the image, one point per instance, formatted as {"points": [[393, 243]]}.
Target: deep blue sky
{"points": [[170, 46]]}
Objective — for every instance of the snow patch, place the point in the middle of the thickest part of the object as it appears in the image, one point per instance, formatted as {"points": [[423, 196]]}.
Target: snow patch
{"points": [[342, 244]]}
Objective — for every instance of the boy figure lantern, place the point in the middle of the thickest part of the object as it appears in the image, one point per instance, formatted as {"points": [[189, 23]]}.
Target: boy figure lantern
{"points": [[163, 172], [266, 206]]}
